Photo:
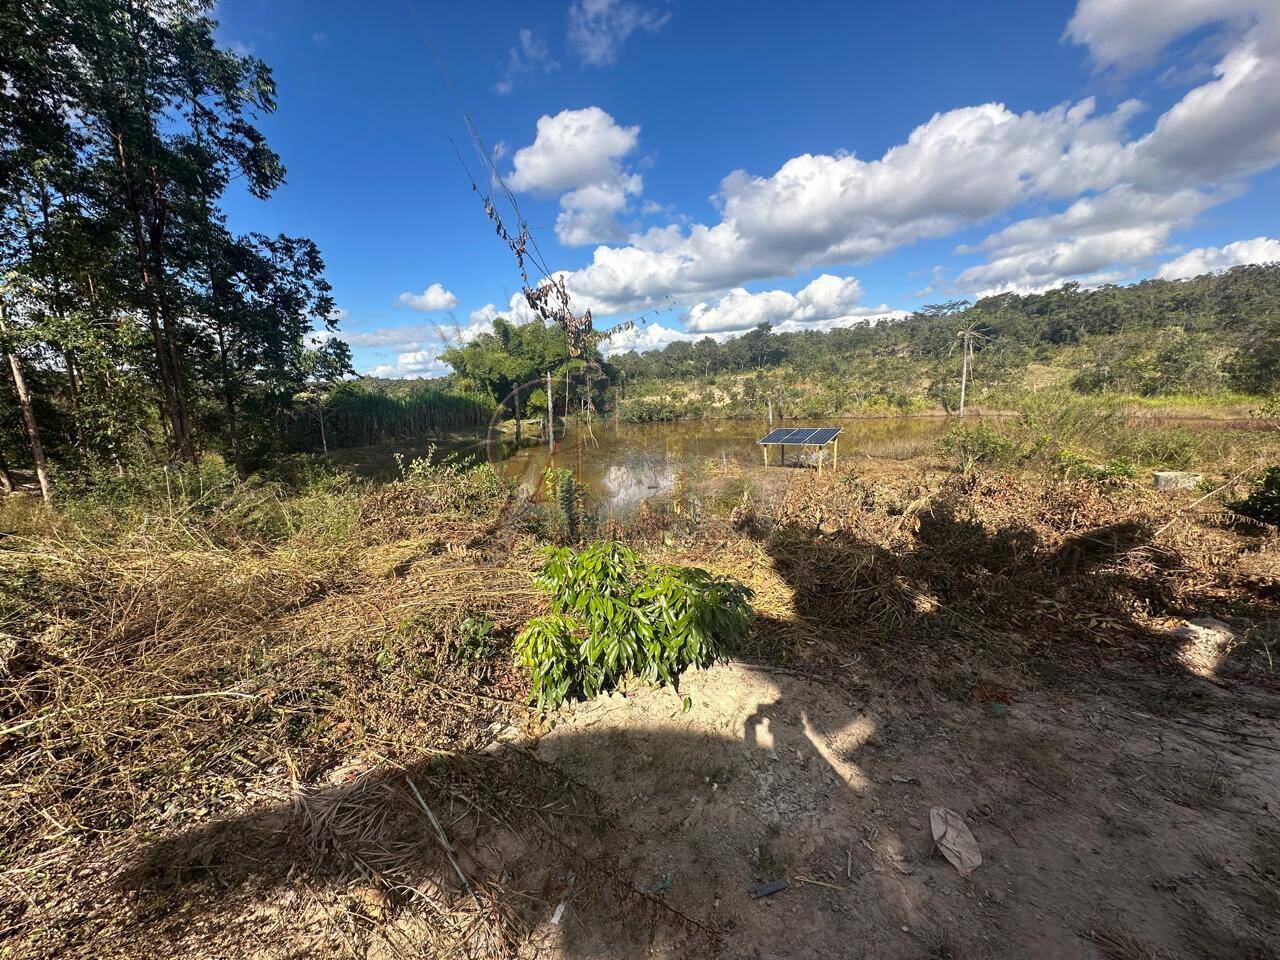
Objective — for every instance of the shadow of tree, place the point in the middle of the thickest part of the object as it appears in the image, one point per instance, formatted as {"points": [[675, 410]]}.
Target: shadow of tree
{"points": [[495, 842], [960, 600]]}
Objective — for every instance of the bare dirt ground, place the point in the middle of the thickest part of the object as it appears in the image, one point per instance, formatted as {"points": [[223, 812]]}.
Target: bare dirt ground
{"points": [[637, 826], [368, 783], [1105, 831]]}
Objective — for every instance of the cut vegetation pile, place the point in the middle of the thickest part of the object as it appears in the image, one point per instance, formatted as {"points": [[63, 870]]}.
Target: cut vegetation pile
{"points": [[225, 744]]}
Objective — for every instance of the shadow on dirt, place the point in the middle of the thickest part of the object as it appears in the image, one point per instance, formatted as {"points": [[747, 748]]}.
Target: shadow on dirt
{"points": [[498, 841], [967, 606]]}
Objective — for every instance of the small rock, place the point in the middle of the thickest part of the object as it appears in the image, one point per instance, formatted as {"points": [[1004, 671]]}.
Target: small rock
{"points": [[1175, 480]]}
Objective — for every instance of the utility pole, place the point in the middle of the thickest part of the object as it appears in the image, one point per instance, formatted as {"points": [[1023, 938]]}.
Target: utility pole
{"points": [[966, 337]]}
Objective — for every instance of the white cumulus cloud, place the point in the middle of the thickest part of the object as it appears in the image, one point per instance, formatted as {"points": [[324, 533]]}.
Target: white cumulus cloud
{"points": [[1210, 259], [827, 302], [1121, 31], [435, 297], [642, 338], [1120, 227], [572, 149], [579, 154], [403, 338], [411, 365], [965, 166]]}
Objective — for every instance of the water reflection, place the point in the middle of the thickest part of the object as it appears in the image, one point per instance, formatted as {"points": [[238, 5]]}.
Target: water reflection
{"points": [[628, 482], [622, 464]]}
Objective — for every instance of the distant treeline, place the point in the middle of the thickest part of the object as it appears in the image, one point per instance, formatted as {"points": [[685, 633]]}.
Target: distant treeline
{"points": [[1215, 332]]}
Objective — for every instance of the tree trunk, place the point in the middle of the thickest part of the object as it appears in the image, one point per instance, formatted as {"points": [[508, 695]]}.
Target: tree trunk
{"points": [[186, 440], [28, 417], [6, 481], [229, 402], [167, 376]]}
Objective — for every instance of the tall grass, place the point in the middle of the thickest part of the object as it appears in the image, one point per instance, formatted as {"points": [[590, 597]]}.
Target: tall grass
{"points": [[1072, 434], [355, 416]]}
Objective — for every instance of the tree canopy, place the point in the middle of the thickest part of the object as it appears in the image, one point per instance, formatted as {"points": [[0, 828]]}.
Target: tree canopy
{"points": [[143, 325]]}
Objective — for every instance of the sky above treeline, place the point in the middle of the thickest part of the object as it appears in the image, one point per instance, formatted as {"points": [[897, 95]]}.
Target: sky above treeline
{"points": [[713, 165]]}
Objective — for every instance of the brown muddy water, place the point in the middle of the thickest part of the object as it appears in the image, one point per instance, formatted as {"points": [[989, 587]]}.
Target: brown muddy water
{"points": [[622, 464]]}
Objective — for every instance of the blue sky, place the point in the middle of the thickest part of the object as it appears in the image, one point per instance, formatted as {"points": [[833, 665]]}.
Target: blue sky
{"points": [[812, 164]]}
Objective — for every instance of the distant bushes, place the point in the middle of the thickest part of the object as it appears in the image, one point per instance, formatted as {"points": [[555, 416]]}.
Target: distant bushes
{"points": [[968, 446], [1152, 364], [658, 409], [1091, 439]]}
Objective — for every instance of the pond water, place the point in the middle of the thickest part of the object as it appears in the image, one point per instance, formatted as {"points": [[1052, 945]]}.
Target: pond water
{"points": [[622, 464]]}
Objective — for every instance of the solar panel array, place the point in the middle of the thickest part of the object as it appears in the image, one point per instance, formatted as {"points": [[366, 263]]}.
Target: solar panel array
{"points": [[801, 436]]}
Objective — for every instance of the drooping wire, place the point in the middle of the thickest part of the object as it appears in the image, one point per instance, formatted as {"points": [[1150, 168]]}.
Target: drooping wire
{"points": [[550, 297]]}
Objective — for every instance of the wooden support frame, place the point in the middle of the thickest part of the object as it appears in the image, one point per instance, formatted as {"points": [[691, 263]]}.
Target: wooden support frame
{"points": [[821, 448]]}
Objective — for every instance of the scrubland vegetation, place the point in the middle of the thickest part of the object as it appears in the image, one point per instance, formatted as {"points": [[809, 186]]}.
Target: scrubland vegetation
{"points": [[186, 647], [253, 705], [1204, 346]]}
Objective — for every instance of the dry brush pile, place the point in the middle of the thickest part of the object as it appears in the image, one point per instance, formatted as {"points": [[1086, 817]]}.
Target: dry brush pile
{"points": [[174, 674], [223, 743], [970, 584]]}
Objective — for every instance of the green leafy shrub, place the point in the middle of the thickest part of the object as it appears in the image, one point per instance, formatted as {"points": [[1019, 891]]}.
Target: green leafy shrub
{"points": [[473, 641], [981, 443], [614, 616], [1263, 502], [1073, 463]]}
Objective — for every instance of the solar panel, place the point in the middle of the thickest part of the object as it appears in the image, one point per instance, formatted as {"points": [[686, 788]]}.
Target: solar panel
{"points": [[801, 436], [778, 436]]}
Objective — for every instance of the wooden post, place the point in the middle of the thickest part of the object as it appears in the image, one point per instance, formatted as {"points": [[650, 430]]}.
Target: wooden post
{"points": [[820, 449], [835, 453], [551, 420], [765, 448]]}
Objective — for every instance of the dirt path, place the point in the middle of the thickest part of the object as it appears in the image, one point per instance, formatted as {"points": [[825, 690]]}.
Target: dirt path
{"points": [[1105, 832]]}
